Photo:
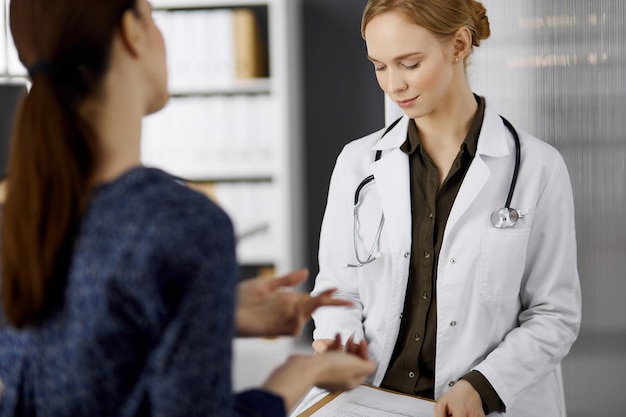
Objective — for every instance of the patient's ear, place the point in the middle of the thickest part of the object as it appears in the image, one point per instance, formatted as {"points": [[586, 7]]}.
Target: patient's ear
{"points": [[132, 32]]}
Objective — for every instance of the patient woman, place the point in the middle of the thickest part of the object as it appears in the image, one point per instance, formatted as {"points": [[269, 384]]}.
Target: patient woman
{"points": [[118, 284]]}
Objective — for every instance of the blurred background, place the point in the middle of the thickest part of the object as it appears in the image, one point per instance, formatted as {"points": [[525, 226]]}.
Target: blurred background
{"points": [[293, 78]]}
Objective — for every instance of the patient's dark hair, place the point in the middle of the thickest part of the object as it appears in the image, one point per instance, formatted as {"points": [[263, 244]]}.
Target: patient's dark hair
{"points": [[66, 45]]}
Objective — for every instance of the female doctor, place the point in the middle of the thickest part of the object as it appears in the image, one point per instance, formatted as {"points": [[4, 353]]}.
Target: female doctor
{"points": [[459, 301]]}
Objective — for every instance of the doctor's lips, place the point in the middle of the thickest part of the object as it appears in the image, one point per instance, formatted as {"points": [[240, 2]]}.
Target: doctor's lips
{"points": [[407, 103]]}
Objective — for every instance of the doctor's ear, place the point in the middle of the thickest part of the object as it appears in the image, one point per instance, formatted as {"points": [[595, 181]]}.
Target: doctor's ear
{"points": [[462, 43]]}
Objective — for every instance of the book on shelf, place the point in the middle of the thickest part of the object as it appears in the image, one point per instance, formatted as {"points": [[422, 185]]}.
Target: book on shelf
{"points": [[250, 61]]}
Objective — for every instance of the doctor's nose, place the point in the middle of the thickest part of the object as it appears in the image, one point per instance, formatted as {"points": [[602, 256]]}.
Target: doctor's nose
{"points": [[394, 83]]}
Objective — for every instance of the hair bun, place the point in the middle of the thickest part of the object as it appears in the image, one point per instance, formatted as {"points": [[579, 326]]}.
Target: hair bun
{"points": [[481, 23]]}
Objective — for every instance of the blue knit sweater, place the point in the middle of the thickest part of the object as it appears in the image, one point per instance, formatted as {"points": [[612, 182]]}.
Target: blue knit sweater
{"points": [[146, 324]]}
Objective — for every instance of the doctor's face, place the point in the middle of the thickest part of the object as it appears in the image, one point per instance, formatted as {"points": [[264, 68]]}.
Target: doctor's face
{"points": [[413, 67]]}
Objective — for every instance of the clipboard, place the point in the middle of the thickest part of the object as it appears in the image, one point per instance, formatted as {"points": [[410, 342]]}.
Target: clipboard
{"points": [[325, 401]]}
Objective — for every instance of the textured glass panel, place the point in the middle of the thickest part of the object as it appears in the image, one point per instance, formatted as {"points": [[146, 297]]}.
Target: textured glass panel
{"points": [[558, 70]]}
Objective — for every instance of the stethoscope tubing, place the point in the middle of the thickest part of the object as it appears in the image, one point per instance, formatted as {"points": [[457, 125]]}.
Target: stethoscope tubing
{"points": [[518, 152]]}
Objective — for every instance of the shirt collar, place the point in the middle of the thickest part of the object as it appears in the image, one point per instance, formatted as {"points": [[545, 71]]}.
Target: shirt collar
{"points": [[470, 143]]}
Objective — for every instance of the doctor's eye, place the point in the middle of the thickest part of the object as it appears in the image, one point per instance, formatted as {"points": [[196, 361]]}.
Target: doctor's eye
{"points": [[379, 68], [411, 66]]}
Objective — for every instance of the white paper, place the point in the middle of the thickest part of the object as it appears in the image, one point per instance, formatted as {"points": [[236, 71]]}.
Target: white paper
{"points": [[372, 402]]}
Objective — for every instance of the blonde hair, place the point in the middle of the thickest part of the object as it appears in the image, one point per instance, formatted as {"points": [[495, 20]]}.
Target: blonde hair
{"points": [[441, 17]]}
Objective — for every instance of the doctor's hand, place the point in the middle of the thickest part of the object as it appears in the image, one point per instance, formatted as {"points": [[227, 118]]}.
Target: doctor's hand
{"points": [[462, 400], [330, 345], [322, 345], [271, 306]]}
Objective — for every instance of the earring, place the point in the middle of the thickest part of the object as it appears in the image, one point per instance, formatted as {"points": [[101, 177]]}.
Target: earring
{"points": [[456, 59]]}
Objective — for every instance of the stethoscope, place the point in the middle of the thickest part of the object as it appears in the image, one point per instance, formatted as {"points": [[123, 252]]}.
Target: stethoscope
{"points": [[502, 218]]}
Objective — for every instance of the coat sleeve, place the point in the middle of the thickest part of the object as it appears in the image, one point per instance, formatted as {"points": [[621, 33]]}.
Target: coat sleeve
{"points": [[550, 295], [335, 252]]}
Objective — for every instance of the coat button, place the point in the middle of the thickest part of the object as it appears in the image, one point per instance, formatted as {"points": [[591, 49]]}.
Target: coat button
{"points": [[407, 254], [452, 323], [451, 383], [411, 375], [452, 261]]}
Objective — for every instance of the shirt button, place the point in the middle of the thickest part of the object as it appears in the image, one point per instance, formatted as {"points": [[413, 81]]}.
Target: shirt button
{"points": [[417, 338], [452, 323], [401, 316], [407, 254], [411, 375], [452, 261], [451, 383], [430, 215], [425, 296], [427, 255]]}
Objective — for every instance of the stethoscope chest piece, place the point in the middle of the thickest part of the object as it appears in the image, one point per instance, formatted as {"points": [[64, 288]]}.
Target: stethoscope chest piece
{"points": [[505, 217]]}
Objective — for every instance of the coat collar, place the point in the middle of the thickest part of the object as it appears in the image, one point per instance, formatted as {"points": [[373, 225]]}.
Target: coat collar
{"points": [[395, 137], [491, 140]]}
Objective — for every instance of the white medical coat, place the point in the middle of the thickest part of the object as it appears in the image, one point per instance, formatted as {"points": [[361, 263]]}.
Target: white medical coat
{"points": [[508, 300]]}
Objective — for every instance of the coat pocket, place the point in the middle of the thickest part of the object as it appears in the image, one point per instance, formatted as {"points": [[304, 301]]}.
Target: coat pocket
{"points": [[502, 261]]}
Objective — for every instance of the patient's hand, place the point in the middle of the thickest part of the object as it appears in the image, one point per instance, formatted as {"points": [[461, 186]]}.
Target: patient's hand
{"points": [[271, 306]]}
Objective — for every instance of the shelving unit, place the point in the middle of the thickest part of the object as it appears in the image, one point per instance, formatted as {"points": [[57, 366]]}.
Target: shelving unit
{"points": [[264, 184], [237, 140]]}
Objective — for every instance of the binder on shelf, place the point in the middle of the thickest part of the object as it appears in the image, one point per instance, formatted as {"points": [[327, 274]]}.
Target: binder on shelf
{"points": [[250, 61], [222, 44]]}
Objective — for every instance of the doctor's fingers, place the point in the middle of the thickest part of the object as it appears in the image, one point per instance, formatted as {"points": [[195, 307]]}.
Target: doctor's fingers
{"points": [[325, 345], [462, 413], [460, 401], [359, 349]]}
